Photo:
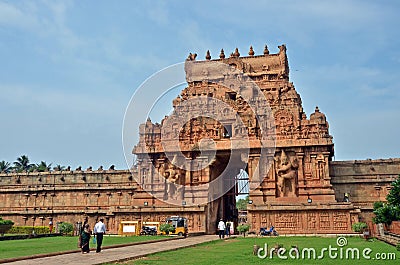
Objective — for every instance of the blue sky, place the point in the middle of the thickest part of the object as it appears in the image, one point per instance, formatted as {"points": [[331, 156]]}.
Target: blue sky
{"points": [[69, 68]]}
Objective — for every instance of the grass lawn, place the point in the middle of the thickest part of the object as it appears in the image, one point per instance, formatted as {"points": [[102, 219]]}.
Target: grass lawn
{"points": [[240, 251], [27, 247]]}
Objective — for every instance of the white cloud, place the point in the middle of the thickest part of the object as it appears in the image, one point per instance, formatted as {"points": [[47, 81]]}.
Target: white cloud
{"points": [[12, 16], [61, 102], [158, 12]]}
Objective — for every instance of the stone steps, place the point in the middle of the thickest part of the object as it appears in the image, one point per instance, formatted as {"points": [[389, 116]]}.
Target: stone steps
{"points": [[390, 238]]}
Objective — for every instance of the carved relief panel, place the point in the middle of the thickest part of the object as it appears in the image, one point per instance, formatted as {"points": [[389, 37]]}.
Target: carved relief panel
{"points": [[287, 221], [286, 167], [311, 220], [340, 220], [324, 221]]}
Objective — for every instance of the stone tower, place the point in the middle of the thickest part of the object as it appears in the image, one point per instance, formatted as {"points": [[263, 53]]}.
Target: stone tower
{"points": [[286, 154]]}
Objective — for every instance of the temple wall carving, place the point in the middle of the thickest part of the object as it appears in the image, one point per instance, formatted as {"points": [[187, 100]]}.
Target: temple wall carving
{"points": [[303, 222]]}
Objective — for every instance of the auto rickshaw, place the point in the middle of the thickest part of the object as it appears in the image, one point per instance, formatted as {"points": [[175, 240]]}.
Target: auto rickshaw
{"points": [[180, 225]]}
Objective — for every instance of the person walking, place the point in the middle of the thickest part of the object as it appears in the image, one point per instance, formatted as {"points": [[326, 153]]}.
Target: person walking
{"points": [[85, 239], [99, 230], [51, 226], [221, 229], [80, 231], [228, 229]]}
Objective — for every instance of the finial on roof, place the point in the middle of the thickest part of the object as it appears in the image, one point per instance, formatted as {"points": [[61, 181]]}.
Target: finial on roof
{"points": [[316, 109], [266, 51], [282, 48], [208, 55], [236, 54], [251, 52], [191, 57], [222, 54]]}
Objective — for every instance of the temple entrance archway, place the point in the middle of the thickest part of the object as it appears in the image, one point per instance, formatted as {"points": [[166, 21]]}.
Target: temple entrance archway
{"points": [[235, 184]]}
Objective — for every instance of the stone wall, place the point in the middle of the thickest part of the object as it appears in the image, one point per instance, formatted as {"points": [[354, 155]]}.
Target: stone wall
{"points": [[68, 196], [35, 198], [395, 227], [365, 181]]}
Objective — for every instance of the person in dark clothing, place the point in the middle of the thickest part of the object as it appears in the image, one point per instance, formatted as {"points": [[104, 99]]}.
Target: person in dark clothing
{"points": [[85, 239], [228, 229]]}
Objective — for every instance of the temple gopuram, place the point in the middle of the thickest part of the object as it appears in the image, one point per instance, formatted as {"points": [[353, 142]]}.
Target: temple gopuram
{"points": [[238, 115]]}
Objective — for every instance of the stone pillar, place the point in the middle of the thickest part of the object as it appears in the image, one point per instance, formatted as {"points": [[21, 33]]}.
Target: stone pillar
{"points": [[300, 171], [188, 173], [314, 166], [300, 175], [381, 230], [255, 175], [150, 177], [326, 159]]}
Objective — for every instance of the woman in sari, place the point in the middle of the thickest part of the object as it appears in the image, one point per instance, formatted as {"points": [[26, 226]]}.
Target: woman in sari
{"points": [[85, 238]]}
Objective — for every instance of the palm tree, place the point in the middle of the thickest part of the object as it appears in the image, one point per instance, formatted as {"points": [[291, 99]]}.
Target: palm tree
{"points": [[5, 167], [42, 167], [22, 164], [59, 168]]}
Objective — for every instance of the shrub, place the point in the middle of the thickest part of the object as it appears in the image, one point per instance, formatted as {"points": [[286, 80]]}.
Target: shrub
{"points": [[66, 228], [166, 228], [243, 228], [385, 214], [6, 222], [359, 227], [5, 225], [29, 229]]}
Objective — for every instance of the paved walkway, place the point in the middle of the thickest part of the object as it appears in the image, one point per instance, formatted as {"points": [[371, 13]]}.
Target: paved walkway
{"points": [[116, 254]]}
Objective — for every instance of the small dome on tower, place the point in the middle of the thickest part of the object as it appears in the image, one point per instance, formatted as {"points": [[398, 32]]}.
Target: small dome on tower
{"points": [[236, 54], [266, 51], [208, 55], [222, 54], [251, 52], [318, 116]]}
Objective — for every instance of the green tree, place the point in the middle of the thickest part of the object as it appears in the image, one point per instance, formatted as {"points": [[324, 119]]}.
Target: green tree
{"points": [[393, 197], [241, 204], [387, 212], [22, 164], [42, 167], [5, 167]]}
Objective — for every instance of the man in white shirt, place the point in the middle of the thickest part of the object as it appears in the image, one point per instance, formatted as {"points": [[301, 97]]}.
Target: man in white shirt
{"points": [[99, 230], [221, 228]]}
